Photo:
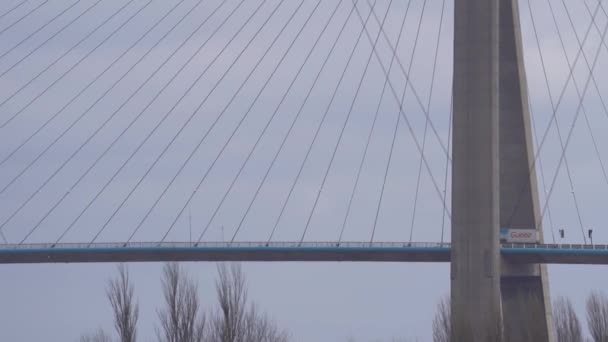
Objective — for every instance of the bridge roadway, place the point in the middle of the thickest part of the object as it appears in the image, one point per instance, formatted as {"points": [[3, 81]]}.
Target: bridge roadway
{"points": [[287, 251]]}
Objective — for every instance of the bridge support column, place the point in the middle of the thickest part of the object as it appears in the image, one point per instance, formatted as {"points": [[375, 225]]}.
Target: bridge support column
{"points": [[524, 287], [475, 267], [493, 184]]}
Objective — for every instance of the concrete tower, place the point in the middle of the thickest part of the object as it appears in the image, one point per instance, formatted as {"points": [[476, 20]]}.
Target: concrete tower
{"points": [[494, 185]]}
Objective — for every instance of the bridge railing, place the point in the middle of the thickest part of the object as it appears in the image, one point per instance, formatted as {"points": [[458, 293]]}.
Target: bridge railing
{"points": [[553, 246], [220, 244], [286, 244]]}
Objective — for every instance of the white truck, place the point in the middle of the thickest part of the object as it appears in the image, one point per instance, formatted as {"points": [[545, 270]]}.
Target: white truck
{"points": [[518, 235]]}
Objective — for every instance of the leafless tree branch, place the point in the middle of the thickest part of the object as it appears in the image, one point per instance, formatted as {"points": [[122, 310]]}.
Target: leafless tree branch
{"points": [[441, 322], [232, 297], [597, 316], [181, 320], [98, 336], [567, 324], [124, 306], [237, 321]]}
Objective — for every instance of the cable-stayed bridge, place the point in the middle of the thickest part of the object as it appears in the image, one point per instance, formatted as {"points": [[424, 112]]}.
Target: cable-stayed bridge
{"points": [[305, 121]]}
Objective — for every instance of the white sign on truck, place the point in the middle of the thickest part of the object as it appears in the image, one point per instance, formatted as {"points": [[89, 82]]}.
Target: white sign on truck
{"points": [[520, 235]]}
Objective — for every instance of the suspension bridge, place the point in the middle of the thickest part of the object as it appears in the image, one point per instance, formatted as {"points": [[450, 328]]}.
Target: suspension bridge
{"points": [[308, 131]]}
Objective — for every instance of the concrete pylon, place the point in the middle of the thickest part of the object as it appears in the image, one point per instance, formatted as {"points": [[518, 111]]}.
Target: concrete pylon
{"points": [[524, 287], [475, 266], [494, 185]]}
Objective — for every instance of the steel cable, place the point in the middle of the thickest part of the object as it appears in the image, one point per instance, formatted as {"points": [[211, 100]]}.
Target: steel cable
{"points": [[39, 29], [292, 125], [402, 101], [20, 173], [85, 88], [369, 136], [542, 172], [39, 46], [10, 10], [131, 96], [417, 96], [348, 116], [597, 28], [165, 116], [426, 122], [602, 43], [185, 124], [545, 134], [318, 129], [293, 122], [231, 135], [584, 111], [218, 155], [14, 115], [23, 16], [343, 128], [557, 126], [407, 121], [49, 38], [569, 136], [83, 114]]}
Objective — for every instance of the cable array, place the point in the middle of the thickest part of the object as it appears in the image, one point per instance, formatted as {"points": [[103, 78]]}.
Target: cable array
{"points": [[553, 118], [11, 49], [234, 131], [557, 126], [65, 73], [297, 116], [201, 141], [392, 148], [569, 135], [10, 10], [27, 14]]}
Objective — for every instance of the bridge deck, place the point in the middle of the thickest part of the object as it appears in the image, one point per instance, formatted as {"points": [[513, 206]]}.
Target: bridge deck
{"points": [[287, 251]]}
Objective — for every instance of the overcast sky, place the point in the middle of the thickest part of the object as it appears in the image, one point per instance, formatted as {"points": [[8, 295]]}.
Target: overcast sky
{"points": [[313, 301]]}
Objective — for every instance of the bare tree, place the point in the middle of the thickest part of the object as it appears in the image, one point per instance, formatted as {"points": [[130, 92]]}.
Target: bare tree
{"points": [[181, 320], [237, 321], [259, 328], [98, 336], [597, 316], [124, 306], [567, 324], [232, 298], [441, 322]]}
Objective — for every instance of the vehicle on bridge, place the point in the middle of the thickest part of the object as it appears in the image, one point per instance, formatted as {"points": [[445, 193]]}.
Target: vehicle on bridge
{"points": [[518, 235]]}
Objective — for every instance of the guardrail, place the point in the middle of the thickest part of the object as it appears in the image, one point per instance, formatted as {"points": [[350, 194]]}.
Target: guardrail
{"points": [[288, 244], [216, 244], [553, 246]]}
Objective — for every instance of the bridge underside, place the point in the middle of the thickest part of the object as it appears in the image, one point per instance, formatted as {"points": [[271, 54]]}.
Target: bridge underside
{"points": [[348, 252]]}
